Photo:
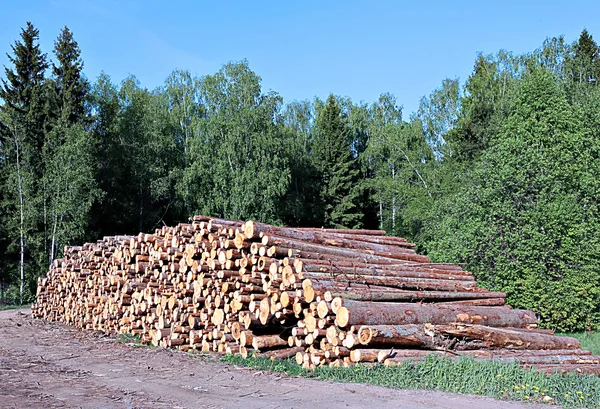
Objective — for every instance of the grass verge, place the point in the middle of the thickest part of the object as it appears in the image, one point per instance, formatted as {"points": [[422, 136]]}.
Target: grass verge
{"points": [[590, 340], [13, 307], [493, 379]]}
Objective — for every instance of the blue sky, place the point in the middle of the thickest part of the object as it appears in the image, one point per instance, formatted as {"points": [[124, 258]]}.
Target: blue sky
{"points": [[301, 49]]}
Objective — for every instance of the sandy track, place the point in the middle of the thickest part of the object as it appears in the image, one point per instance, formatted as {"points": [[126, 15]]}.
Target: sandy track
{"points": [[49, 365]]}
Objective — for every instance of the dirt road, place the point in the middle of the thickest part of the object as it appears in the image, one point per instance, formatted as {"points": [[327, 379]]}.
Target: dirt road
{"points": [[48, 365]]}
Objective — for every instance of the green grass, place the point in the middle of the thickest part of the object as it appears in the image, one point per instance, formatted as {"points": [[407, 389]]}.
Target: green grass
{"points": [[132, 340], [590, 340], [13, 307], [497, 380]]}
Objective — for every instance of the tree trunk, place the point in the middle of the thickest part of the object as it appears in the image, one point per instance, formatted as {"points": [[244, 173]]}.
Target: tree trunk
{"points": [[22, 220], [373, 313], [409, 335], [507, 338]]}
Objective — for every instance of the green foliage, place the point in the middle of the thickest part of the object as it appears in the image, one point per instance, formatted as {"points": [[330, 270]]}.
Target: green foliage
{"points": [[237, 165], [24, 115], [499, 173], [398, 159], [70, 86], [485, 106], [332, 158], [487, 378], [439, 112], [528, 223]]}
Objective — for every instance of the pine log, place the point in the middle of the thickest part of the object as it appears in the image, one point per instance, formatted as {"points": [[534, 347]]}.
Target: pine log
{"points": [[508, 339], [302, 247], [268, 341], [372, 313], [383, 271], [408, 335], [350, 266], [490, 302], [397, 282]]}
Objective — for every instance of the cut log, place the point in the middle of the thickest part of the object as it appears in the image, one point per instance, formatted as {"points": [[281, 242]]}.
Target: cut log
{"points": [[507, 338], [371, 313], [268, 341], [409, 335], [326, 296]]}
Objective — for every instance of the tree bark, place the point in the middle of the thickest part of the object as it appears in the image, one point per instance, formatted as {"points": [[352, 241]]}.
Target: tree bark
{"points": [[373, 313], [507, 338]]}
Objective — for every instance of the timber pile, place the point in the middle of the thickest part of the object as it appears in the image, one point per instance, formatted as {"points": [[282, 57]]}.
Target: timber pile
{"points": [[323, 296]]}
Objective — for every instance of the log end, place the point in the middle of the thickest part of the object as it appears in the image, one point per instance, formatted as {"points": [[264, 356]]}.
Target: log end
{"points": [[342, 317]]}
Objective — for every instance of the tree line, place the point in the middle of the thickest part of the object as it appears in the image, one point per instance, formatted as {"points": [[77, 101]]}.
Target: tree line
{"points": [[500, 174]]}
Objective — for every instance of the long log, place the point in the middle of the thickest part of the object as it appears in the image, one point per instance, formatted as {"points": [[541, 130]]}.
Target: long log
{"points": [[345, 231], [418, 266], [397, 265], [481, 302], [388, 240], [387, 280], [403, 295], [302, 247], [397, 282], [590, 369], [268, 341], [373, 313], [382, 271], [357, 244], [508, 339]]}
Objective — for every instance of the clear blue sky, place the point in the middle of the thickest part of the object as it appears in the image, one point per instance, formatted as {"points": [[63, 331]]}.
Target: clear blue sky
{"points": [[301, 49]]}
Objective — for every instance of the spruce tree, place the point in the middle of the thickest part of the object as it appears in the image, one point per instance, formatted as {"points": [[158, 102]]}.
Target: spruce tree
{"points": [[70, 85], [333, 159], [68, 185], [586, 61], [24, 114], [23, 90]]}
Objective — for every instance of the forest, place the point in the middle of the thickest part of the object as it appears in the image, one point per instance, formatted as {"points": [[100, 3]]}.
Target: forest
{"points": [[499, 173]]}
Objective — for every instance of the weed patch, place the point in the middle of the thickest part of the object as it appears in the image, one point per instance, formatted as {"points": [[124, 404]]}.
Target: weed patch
{"points": [[465, 375]]}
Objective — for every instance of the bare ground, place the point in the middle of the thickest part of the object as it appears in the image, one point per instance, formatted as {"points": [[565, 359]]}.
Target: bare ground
{"points": [[49, 365]]}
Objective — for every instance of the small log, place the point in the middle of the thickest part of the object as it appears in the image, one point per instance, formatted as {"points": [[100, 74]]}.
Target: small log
{"points": [[268, 341], [409, 335]]}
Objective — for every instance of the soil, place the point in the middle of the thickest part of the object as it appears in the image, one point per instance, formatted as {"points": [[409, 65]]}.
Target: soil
{"points": [[50, 365]]}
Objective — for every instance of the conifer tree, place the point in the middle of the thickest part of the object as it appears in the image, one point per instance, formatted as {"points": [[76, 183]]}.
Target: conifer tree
{"points": [[70, 85], [24, 114], [586, 61], [69, 187], [333, 160]]}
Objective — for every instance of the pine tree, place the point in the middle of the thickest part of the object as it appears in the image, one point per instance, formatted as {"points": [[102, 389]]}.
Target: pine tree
{"points": [[333, 160]]}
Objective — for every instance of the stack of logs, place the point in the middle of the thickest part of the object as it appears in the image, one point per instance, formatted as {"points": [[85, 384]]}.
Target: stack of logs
{"points": [[322, 296]]}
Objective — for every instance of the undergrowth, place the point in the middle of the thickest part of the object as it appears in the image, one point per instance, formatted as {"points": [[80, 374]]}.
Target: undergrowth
{"points": [[465, 375]]}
